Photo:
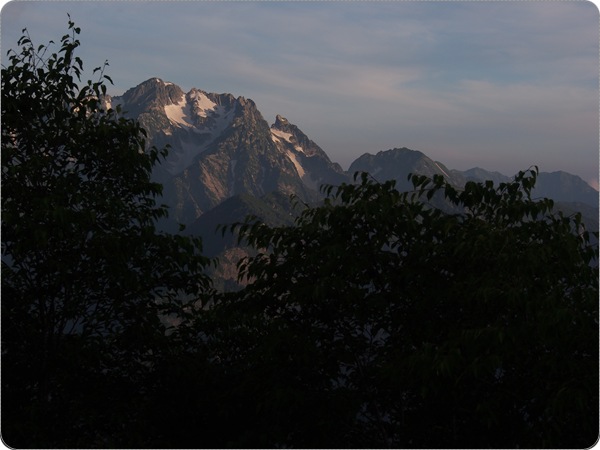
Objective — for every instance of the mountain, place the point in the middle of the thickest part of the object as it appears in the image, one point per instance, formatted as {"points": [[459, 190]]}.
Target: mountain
{"points": [[397, 163], [478, 174], [226, 162], [224, 153], [274, 209], [221, 146], [559, 186], [565, 187], [569, 192], [311, 162]]}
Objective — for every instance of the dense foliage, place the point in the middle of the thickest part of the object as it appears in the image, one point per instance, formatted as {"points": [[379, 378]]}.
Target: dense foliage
{"points": [[86, 278], [439, 317], [378, 320]]}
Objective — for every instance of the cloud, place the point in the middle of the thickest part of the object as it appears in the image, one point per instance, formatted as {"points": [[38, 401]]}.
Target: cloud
{"points": [[498, 82]]}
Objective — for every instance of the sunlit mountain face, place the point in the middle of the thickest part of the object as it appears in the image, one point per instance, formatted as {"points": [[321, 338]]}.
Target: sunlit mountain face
{"points": [[221, 147]]}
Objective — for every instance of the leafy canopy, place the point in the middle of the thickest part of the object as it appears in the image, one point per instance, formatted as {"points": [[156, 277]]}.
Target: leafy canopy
{"points": [[390, 322], [379, 318], [88, 283]]}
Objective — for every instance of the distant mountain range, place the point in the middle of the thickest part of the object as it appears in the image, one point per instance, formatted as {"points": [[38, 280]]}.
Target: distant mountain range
{"points": [[226, 161], [222, 146]]}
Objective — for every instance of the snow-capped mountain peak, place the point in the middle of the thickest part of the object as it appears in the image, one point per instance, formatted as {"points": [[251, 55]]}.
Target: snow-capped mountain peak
{"points": [[200, 113], [180, 113], [220, 146], [170, 115], [279, 135], [311, 162]]}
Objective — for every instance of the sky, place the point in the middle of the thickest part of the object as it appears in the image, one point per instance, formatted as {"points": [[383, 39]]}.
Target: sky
{"points": [[497, 85]]}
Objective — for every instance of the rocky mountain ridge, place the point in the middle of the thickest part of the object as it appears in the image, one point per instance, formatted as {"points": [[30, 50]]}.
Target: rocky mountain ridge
{"points": [[397, 163], [226, 162], [221, 147], [559, 185]]}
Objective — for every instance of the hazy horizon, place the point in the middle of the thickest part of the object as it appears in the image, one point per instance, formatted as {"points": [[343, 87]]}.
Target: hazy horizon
{"points": [[497, 85]]}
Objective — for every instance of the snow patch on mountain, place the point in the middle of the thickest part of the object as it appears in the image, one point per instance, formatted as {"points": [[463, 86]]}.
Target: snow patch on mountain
{"points": [[197, 113], [278, 136], [196, 104], [294, 160], [203, 105], [442, 170], [180, 113], [282, 135]]}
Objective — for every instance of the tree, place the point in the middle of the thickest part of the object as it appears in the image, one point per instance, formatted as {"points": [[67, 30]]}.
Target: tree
{"points": [[380, 320], [89, 286]]}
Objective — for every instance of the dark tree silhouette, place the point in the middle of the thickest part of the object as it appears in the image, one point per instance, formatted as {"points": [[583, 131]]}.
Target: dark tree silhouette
{"points": [[377, 319], [88, 284], [380, 320]]}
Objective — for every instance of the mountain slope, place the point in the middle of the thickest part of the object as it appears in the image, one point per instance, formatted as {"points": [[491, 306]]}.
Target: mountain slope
{"points": [[312, 164], [565, 187], [479, 174], [221, 146], [397, 163], [274, 209], [569, 192], [559, 186]]}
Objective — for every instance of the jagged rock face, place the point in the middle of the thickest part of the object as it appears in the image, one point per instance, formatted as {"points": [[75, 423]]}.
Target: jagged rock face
{"points": [[146, 101], [220, 146], [397, 163], [152, 94], [242, 158], [312, 164], [188, 123]]}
